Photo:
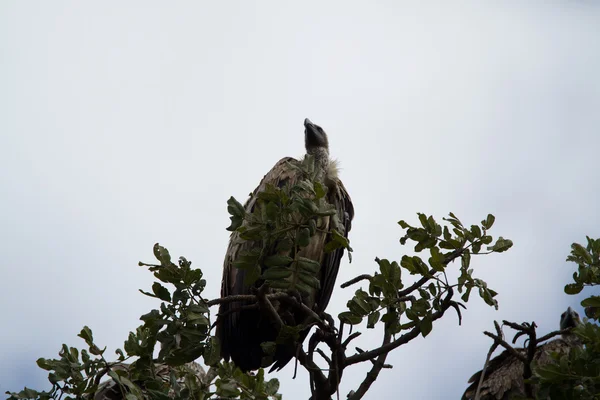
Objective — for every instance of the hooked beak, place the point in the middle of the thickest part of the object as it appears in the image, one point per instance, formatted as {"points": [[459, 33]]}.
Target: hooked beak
{"points": [[310, 130]]}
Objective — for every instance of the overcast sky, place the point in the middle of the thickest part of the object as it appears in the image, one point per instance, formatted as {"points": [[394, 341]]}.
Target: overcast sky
{"points": [[123, 124]]}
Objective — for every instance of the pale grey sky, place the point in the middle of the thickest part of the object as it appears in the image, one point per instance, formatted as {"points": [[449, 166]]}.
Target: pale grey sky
{"points": [[127, 123]]}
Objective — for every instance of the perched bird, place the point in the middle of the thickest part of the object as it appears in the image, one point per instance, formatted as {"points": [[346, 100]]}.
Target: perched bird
{"points": [[241, 332], [504, 374]]}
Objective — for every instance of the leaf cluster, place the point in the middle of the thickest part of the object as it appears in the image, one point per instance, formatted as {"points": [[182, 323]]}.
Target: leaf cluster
{"points": [[283, 221], [388, 300], [587, 259], [180, 328], [576, 376]]}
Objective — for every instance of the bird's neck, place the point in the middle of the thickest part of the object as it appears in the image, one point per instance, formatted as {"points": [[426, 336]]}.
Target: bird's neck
{"points": [[321, 156]]}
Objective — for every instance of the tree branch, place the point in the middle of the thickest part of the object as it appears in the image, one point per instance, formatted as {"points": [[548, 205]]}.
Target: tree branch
{"points": [[451, 257], [407, 337], [355, 280], [375, 370], [507, 346]]}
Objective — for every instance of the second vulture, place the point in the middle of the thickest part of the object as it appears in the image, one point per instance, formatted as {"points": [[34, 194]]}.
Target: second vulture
{"points": [[504, 374], [242, 331]]}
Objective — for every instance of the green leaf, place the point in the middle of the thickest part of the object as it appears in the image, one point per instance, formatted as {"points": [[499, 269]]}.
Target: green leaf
{"points": [[307, 186], [227, 389], [385, 267], [310, 280], [237, 212], [252, 275], [501, 245], [303, 238], [425, 325], [407, 263], [271, 387], [308, 265], [247, 260], [403, 224], [436, 261], [465, 259], [337, 241], [277, 273], [161, 292], [573, 288], [432, 289], [304, 288], [486, 239], [212, 353], [423, 220], [488, 222], [592, 301], [235, 208], [350, 318], [320, 190], [86, 334], [278, 261], [162, 254], [372, 319]]}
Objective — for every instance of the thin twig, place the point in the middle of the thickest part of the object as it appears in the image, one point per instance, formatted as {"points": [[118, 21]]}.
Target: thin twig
{"points": [[350, 338], [507, 346], [552, 334], [493, 348], [322, 354], [487, 360], [372, 375], [355, 280]]}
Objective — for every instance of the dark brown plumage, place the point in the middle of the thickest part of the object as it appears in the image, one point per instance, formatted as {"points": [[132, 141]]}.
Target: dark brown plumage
{"points": [[504, 374], [242, 332]]}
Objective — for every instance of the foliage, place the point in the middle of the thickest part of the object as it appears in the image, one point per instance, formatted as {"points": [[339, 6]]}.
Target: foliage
{"points": [[576, 375], [406, 297], [385, 287], [283, 221], [182, 328]]}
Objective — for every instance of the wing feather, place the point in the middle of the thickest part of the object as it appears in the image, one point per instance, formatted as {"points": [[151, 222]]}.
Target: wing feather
{"points": [[330, 264], [228, 329]]}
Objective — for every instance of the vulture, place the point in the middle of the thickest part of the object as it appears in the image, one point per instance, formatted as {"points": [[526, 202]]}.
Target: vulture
{"points": [[241, 332], [504, 374]]}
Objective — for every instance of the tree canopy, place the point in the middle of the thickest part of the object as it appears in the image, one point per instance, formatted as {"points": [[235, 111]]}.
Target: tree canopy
{"points": [[405, 296]]}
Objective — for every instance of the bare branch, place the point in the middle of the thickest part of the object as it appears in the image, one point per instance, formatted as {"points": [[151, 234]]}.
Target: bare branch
{"points": [[350, 338], [493, 348], [322, 354], [372, 375], [552, 334], [355, 280], [507, 346], [265, 304]]}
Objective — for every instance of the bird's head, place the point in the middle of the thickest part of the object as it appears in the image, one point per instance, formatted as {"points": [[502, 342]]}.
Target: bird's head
{"points": [[315, 138], [569, 319]]}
